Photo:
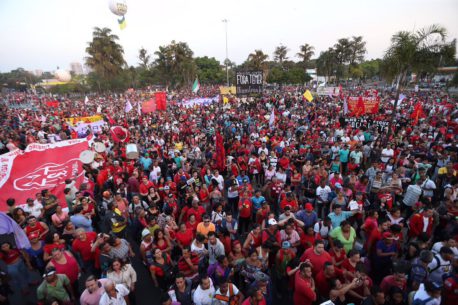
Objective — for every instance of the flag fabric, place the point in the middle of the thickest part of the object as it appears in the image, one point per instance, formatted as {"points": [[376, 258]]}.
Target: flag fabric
{"points": [[308, 95], [86, 100], [149, 106], [39, 167], [220, 152], [122, 23], [360, 107], [139, 108], [161, 100], [272, 118], [120, 134], [128, 107], [195, 86], [225, 100], [417, 113], [110, 119]]}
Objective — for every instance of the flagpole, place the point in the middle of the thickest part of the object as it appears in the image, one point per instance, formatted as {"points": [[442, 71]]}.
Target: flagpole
{"points": [[226, 61]]}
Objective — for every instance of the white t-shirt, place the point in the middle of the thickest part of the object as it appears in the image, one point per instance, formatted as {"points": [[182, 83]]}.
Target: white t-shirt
{"points": [[204, 297], [428, 188], [121, 293], [436, 273], [34, 210], [220, 180], [323, 192], [437, 247], [323, 231], [422, 295], [235, 291], [155, 173], [387, 152]]}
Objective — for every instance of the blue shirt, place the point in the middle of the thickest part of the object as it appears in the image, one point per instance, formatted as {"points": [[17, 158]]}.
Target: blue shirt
{"points": [[257, 202], [81, 221], [307, 219], [337, 219], [343, 154], [146, 162]]}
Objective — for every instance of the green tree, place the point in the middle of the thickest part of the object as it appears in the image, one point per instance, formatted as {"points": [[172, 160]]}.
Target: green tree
{"points": [[413, 52], [144, 58], [281, 54], [210, 71], [305, 54], [106, 57], [175, 64], [257, 60], [357, 50], [327, 63]]}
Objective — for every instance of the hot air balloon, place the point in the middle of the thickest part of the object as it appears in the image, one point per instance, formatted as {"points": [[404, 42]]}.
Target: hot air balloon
{"points": [[62, 75], [118, 7]]}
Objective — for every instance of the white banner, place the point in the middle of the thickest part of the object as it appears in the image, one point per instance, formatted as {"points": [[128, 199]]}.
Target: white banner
{"points": [[81, 127], [328, 91]]}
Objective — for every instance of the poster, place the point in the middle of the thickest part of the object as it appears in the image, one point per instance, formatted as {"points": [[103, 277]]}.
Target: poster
{"points": [[249, 82]]}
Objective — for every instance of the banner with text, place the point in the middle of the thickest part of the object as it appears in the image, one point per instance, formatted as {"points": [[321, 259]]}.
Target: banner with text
{"points": [[371, 104], [328, 91], [40, 166], [84, 119], [249, 82], [224, 90], [368, 123]]}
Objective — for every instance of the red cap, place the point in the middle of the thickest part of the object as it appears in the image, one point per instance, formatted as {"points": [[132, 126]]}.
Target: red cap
{"points": [[33, 235], [308, 206]]}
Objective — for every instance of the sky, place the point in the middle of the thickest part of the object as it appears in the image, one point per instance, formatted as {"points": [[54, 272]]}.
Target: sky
{"points": [[45, 34]]}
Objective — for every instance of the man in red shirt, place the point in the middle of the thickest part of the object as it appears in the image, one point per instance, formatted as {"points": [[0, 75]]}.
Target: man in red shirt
{"points": [[35, 226], [304, 286], [316, 256], [255, 297], [245, 210], [144, 187], [324, 277], [82, 246]]}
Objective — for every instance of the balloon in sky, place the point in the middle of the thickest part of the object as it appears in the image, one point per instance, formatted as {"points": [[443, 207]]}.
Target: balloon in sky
{"points": [[63, 75], [118, 7]]}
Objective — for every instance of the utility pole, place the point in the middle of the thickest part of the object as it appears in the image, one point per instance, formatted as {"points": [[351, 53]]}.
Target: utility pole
{"points": [[226, 61]]}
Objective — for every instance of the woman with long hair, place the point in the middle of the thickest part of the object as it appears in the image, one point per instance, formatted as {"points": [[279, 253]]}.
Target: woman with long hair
{"points": [[121, 273], [162, 269]]}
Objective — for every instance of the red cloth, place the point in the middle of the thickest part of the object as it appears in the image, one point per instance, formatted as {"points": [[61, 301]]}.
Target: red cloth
{"points": [[417, 223], [389, 281], [84, 247], [323, 283], [245, 207], [303, 292], [317, 261], [70, 269], [185, 238], [11, 256], [220, 152], [197, 212]]}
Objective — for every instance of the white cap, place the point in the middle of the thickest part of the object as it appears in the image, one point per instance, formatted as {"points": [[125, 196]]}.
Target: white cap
{"points": [[272, 222]]}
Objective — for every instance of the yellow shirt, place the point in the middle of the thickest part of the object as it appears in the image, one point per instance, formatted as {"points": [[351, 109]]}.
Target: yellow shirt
{"points": [[202, 229]]}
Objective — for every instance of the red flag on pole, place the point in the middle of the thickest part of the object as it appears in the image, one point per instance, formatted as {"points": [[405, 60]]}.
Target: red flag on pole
{"points": [[417, 113], [360, 108], [220, 152], [161, 100]]}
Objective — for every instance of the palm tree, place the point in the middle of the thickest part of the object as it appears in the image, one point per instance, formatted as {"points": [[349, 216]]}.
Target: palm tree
{"points": [[327, 63], [412, 52], [357, 50], [106, 56], [280, 54], [258, 59], [305, 54], [144, 58]]}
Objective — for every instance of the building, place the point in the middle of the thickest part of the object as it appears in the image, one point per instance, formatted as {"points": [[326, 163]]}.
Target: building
{"points": [[76, 68]]}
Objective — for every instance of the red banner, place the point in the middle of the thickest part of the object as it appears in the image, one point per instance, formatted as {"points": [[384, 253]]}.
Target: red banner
{"points": [[161, 100], [40, 167], [371, 105], [149, 106], [54, 104]]}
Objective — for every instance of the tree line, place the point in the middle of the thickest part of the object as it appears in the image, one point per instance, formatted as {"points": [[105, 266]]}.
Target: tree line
{"points": [[175, 66]]}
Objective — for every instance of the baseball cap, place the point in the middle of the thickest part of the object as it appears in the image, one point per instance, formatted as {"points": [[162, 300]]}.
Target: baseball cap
{"points": [[286, 245], [308, 206], [338, 185], [272, 222], [145, 233], [389, 235], [49, 271]]}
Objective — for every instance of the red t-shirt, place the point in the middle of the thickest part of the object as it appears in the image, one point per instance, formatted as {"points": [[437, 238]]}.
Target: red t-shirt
{"points": [[198, 213], [84, 247], [246, 208], [323, 283], [11, 256], [185, 238], [49, 247], [317, 261]]}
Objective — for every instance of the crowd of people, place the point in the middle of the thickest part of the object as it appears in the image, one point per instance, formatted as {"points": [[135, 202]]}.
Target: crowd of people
{"points": [[295, 206]]}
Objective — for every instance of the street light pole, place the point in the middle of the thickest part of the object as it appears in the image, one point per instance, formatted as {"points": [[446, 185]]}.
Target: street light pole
{"points": [[226, 61]]}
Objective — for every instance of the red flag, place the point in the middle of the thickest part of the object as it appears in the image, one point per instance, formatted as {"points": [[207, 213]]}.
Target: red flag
{"points": [[120, 134], [360, 108], [110, 119], [149, 106], [161, 100], [39, 167], [417, 113], [220, 152]]}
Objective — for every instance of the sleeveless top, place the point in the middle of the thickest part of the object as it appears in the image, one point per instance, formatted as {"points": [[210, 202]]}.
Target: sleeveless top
{"points": [[70, 268]]}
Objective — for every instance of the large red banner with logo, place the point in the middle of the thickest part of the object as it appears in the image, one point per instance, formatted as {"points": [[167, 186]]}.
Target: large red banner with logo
{"points": [[371, 105], [39, 167]]}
